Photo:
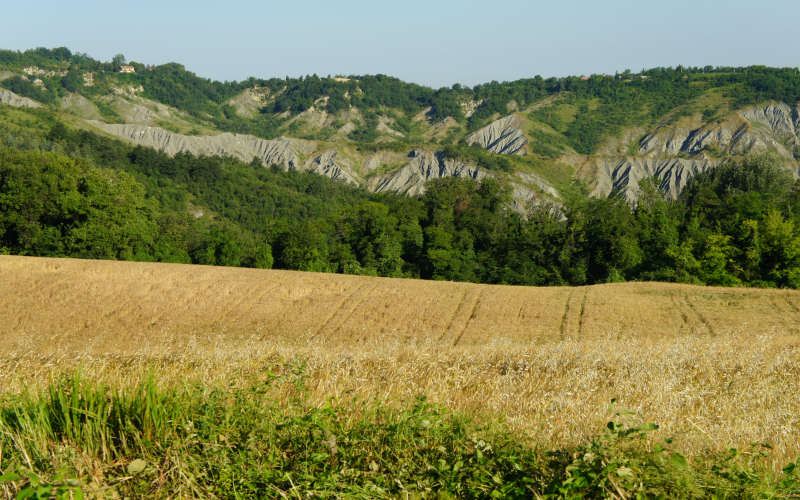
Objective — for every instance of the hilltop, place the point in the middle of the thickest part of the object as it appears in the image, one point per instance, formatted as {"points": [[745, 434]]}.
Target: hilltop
{"points": [[377, 132]]}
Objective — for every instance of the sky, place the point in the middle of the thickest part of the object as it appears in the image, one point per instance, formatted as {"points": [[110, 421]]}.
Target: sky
{"points": [[434, 42]]}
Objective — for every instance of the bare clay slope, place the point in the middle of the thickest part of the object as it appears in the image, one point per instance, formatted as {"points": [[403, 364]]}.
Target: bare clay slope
{"points": [[65, 305], [675, 153]]}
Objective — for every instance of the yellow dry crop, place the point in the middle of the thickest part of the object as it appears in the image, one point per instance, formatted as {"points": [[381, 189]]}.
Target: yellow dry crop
{"points": [[716, 367]]}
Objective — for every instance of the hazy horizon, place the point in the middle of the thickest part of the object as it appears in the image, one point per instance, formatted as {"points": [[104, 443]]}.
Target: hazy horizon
{"points": [[432, 44]]}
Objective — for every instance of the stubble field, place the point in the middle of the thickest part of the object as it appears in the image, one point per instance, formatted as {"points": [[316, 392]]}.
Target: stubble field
{"points": [[716, 368]]}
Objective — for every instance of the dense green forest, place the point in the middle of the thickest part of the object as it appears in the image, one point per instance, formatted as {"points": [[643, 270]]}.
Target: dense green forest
{"points": [[67, 192]]}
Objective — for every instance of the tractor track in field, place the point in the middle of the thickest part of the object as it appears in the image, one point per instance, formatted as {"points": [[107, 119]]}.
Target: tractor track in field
{"points": [[453, 317], [678, 307], [700, 317], [583, 311], [563, 328], [355, 307], [573, 317], [791, 304], [337, 309], [471, 316], [248, 301], [230, 307], [89, 306]]}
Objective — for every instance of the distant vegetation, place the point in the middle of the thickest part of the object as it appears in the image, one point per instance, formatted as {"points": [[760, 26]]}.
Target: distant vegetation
{"points": [[602, 104], [26, 88], [737, 224], [476, 155]]}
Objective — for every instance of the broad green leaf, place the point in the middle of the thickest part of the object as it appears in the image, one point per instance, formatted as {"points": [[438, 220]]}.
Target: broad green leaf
{"points": [[679, 461], [136, 467]]}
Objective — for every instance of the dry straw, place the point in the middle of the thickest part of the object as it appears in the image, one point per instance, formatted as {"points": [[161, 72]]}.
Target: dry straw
{"points": [[716, 368]]}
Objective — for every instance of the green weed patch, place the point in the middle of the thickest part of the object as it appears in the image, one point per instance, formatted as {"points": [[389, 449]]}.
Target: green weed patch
{"points": [[81, 438]]}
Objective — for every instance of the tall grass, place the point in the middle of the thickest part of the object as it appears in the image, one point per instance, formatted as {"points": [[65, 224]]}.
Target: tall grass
{"points": [[103, 422], [83, 437]]}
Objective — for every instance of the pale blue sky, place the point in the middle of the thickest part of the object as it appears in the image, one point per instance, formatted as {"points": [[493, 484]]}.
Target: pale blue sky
{"points": [[429, 42]]}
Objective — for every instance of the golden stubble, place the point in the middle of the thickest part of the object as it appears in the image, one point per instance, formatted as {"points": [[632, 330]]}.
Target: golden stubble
{"points": [[715, 368]]}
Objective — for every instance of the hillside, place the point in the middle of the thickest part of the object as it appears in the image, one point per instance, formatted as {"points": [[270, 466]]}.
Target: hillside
{"points": [[91, 304], [673, 174], [608, 130], [715, 367]]}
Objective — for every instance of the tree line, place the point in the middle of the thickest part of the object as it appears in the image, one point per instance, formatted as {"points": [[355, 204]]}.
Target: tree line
{"points": [[74, 193]]}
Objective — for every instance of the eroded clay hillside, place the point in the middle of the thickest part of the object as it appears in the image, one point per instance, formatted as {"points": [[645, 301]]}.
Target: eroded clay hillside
{"points": [[536, 135]]}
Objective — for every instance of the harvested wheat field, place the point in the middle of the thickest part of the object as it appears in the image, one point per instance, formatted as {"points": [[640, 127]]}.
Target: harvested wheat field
{"points": [[715, 367]]}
